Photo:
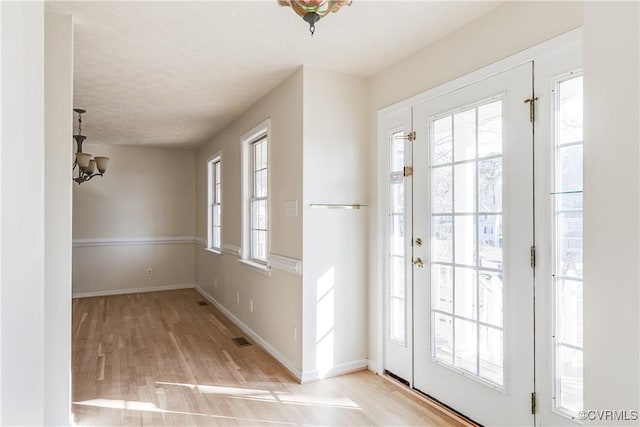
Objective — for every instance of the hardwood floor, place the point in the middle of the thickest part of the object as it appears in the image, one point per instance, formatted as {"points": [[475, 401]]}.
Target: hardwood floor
{"points": [[160, 358]]}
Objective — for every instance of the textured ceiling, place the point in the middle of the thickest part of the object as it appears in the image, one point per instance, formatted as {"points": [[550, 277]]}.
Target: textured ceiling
{"points": [[173, 74]]}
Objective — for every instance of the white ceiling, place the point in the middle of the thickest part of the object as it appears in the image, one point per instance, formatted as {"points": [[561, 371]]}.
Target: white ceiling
{"points": [[173, 74]]}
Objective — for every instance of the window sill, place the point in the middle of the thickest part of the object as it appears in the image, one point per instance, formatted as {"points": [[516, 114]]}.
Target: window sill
{"points": [[261, 268], [213, 251]]}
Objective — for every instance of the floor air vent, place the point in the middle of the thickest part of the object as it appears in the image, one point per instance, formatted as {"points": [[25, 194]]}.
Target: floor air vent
{"points": [[203, 303], [241, 341]]}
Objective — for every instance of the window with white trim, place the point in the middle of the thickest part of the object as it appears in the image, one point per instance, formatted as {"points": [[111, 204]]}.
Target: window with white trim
{"points": [[567, 230], [258, 202], [214, 206]]}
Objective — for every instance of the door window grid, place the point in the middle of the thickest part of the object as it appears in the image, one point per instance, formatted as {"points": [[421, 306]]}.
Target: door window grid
{"points": [[466, 190], [567, 238], [215, 204], [397, 240], [258, 200]]}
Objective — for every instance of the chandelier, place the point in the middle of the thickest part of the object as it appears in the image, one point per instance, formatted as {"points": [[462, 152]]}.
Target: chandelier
{"points": [[312, 10], [84, 162]]}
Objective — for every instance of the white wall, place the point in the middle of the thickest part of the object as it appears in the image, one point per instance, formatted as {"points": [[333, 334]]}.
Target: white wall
{"points": [[22, 247], [36, 232], [147, 194], [334, 240], [506, 30], [611, 211], [58, 61], [276, 297]]}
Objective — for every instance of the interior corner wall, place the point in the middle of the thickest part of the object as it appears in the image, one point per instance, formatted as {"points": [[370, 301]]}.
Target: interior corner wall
{"points": [[276, 317], [22, 216], [611, 209], [335, 241], [138, 216], [58, 61]]}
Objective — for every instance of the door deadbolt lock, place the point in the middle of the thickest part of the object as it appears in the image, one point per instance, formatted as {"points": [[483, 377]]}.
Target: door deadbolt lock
{"points": [[418, 262], [418, 242]]}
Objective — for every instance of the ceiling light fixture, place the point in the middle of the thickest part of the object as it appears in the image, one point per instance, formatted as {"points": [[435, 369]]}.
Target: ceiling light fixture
{"points": [[86, 165], [312, 10]]}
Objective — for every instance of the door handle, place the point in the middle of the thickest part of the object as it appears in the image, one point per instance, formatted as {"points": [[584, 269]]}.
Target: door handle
{"points": [[418, 262]]}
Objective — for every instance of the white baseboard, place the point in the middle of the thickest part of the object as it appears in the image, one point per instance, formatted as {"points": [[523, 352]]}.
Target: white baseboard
{"points": [[132, 290], [254, 336], [341, 369], [303, 377], [375, 367]]}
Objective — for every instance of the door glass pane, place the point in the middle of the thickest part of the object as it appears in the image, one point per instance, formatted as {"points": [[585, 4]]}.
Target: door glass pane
{"points": [[397, 240], [569, 119], [568, 233], [466, 341], [442, 233], [490, 241], [442, 141], [570, 312], [491, 354], [490, 185], [443, 338], [465, 292], [441, 188], [442, 288], [490, 297], [464, 135], [465, 187], [466, 242], [571, 382], [490, 129]]}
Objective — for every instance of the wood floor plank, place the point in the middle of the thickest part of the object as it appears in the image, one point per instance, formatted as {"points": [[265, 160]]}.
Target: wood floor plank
{"points": [[162, 359]]}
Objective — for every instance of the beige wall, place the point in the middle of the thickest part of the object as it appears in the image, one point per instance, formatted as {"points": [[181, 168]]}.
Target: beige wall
{"points": [[276, 297], [147, 194], [335, 240], [506, 30]]}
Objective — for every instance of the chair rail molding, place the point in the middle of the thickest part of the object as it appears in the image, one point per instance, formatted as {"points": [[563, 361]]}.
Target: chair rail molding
{"points": [[133, 241], [284, 263]]}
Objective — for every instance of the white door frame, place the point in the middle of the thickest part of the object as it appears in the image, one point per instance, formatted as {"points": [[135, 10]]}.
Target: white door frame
{"points": [[377, 301]]}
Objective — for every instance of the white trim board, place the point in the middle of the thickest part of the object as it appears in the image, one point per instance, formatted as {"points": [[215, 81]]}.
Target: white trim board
{"points": [[132, 290], [133, 241], [228, 248], [341, 369], [284, 263]]}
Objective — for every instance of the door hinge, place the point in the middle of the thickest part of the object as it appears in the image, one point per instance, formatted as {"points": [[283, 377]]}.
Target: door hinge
{"points": [[533, 257], [532, 108], [533, 402], [411, 136], [408, 170]]}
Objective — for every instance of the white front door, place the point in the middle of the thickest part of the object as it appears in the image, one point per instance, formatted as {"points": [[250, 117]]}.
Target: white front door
{"points": [[473, 210], [397, 194]]}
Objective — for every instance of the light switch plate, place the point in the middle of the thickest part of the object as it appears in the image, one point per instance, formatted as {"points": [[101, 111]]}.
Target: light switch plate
{"points": [[292, 207]]}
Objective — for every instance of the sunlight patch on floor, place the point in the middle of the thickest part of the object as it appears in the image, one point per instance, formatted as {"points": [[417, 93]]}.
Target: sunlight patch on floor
{"points": [[269, 396]]}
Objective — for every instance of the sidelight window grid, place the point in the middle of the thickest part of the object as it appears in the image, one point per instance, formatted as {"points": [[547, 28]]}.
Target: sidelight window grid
{"points": [[463, 351], [214, 213], [567, 276], [258, 200], [397, 240]]}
